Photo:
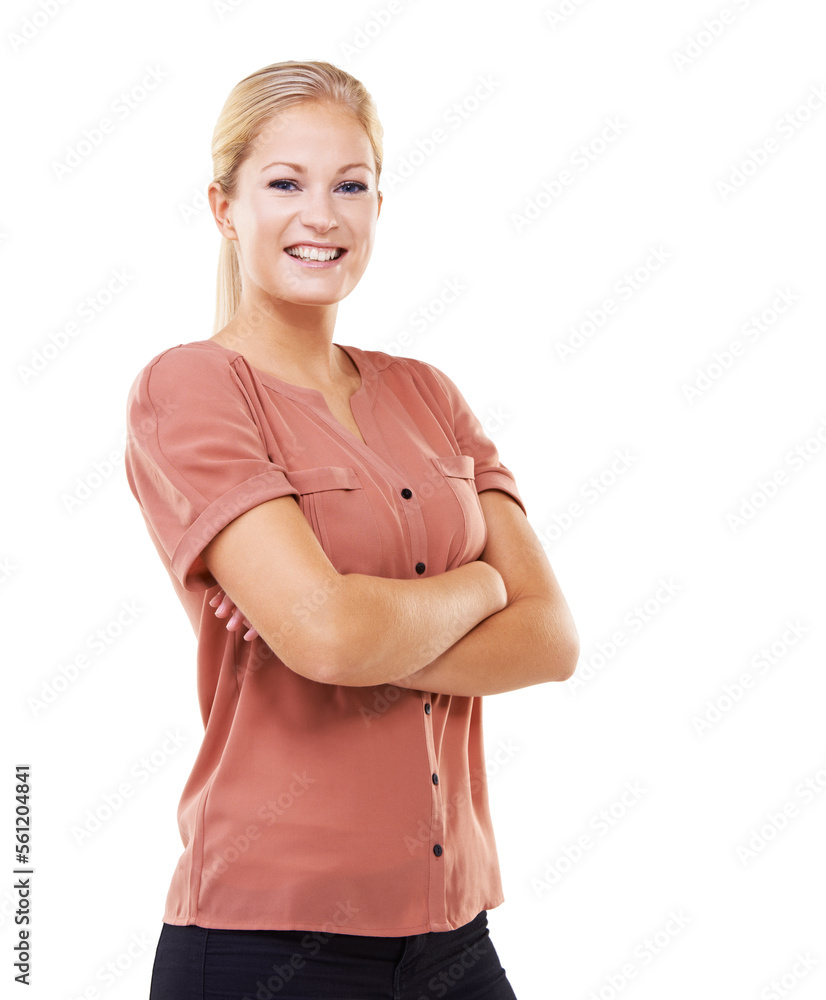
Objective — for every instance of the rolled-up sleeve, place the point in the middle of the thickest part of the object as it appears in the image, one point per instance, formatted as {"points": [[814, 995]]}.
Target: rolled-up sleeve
{"points": [[195, 456], [490, 473]]}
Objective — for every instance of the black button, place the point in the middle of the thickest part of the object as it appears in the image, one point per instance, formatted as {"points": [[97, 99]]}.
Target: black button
{"points": [[406, 493], [435, 779], [427, 708], [437, 850], [420, 567]]}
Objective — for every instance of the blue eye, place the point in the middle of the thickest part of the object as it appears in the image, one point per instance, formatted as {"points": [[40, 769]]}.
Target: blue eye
{"points": [[357, 185]]}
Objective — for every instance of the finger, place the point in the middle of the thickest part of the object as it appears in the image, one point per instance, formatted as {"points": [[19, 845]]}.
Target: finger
{"points": [[224, 607], [235, 620]]}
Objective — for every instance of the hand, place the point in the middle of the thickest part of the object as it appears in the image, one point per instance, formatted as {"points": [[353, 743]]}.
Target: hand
{"points": [[223, 608]]}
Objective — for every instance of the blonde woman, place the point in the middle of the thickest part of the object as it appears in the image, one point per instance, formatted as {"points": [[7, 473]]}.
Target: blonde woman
{"points": [[348, 508]]}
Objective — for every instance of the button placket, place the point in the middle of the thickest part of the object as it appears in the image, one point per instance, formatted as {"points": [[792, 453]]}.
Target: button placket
{"points": [[415, 523], [437, 901]]}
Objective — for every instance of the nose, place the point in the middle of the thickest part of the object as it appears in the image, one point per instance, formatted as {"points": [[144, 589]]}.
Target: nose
{"points": [[318, 210]]}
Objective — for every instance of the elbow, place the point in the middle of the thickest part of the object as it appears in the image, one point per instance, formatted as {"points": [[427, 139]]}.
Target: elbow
{"points": [[568, 659], [306, 654], [561, 643], [330, 645], [314, 648]]}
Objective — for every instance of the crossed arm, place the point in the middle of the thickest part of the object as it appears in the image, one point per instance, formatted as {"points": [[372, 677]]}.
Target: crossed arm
{"points": [[531, 640], [494, 625]]}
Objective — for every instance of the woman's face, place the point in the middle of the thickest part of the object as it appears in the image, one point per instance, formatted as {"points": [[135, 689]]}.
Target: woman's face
{"points": [[310, 179]]}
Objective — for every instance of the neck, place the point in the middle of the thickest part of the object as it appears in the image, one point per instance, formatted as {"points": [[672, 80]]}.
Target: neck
{"points": [[294, 340]]}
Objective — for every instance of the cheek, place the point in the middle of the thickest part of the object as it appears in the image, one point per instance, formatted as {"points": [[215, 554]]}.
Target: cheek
{"points": [[262, 241]]}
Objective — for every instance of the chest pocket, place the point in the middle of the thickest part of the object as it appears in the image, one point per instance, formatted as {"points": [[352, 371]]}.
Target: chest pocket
{"points": [[459, 474], [340, 513]]}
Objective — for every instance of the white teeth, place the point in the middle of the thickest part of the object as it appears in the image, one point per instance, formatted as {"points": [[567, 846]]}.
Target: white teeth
{"points": [[313, 253]]}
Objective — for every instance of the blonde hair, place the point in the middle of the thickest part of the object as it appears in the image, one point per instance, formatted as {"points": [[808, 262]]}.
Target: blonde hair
{"points": [[251, 104]]}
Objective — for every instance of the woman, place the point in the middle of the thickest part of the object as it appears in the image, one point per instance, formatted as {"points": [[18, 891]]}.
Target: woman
{"points": [[350, 509]]}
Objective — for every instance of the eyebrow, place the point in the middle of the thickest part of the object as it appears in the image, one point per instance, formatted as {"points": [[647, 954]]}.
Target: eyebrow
{"points": [[300, 170]]}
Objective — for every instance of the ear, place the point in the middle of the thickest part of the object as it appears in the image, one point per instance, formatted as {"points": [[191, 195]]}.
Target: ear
{"points": [[378, 210], [219, 205]]}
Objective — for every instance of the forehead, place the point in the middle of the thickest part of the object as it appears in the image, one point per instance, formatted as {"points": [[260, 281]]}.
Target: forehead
{"points": [[316, 128]]}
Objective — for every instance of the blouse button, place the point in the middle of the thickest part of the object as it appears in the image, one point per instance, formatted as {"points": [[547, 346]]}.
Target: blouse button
{"points": [[427, 708], [435, 779], [406, 493], [437, 850], [420, 567]]}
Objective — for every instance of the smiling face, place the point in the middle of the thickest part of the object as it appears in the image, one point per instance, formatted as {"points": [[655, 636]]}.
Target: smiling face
{"points": [[309, 182]]}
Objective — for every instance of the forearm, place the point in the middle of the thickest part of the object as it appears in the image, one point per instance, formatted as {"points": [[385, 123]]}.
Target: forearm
{"points": [[528, 642], [389, 628]]}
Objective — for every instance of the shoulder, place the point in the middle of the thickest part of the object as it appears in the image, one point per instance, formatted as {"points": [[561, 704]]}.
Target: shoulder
{"points": [[196, 364], [191, 375], [400, 370], [189, 361]]}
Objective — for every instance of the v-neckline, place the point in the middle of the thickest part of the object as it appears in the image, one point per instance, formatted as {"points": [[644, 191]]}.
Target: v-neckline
{"points": [[306, 394]]}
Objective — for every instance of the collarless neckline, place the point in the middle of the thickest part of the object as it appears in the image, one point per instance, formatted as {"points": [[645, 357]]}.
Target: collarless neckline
{"points": [[302, 392]]}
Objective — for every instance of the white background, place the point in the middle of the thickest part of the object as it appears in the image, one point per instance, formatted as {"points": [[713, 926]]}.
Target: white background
{"points": [[723, 828]]}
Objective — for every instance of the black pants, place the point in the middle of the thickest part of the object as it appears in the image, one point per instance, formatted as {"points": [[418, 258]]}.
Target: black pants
{"points": [[202, 963]]}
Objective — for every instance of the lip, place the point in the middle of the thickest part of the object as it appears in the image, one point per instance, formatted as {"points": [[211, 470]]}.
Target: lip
{"points": [[312, 243], [316, 263]]}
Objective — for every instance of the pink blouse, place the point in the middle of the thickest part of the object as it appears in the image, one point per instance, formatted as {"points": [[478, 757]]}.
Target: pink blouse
{"points": [[314, 806]]}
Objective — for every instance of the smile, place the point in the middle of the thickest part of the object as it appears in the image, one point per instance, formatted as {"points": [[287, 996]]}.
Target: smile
{"points": [[315, 253]]}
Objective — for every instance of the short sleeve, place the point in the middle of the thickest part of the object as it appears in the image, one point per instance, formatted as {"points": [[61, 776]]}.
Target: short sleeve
{"points": [[490, 473], [195, 457]]}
